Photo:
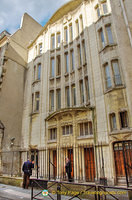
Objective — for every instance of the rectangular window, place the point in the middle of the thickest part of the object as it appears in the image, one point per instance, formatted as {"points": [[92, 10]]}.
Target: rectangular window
{"points": [[81, 23], [102, 39], [124, 119], [58, 70], [66, 130], [66, 63], [32, 102], [79, 55], [52, 100], [113, 121], [66, 35], [84, 52], [77, 28], [107, 76], [40, 48], [37, 101], [58, 100], [109, 34], [86, 128], [72, 60], [81, 92], [71, 32], [34, 74], [53, 134], [67, 97], [52, 41], [105, 9], [73, 95], [117, 77], [87, 89], [58, 40], [98, 12], [39, 71], [52, 67]]}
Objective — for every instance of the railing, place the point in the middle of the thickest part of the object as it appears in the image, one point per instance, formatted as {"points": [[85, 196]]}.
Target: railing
{"points": [[68, 191]]}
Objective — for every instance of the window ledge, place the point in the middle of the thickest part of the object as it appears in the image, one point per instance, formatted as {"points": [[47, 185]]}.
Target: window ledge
{"points": [[34, 113], [51, 78], [37, 56], [36, 81], [102, 16], [52, 141], [58, 76], [66, 74], [114, 88], [123, 130], [107, 46], [85, 137], [67, 135]]}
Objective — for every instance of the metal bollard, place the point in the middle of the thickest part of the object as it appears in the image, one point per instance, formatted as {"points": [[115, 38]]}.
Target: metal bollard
{"points": [[58, 191]]}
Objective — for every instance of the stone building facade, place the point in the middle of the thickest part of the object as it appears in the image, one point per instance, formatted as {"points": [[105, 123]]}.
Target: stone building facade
{"points": [[77, 94]]}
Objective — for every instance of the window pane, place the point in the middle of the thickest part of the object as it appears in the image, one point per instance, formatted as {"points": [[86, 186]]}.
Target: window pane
{"points": [[77, 28], [58, 40], [81, 129], [113, 121], [86, 128], [87, 89], [67, 97], [84, 52], [34, 73], [98, 12], [66, 34], [66, 63], [40, 48], [52, 41], [72, 60], [58, 99], [67, 130], [71, 129], [73, 95], [71, 32], [107, 77], [117, 77], [81, 92], [102, 38], [79, 56], [37, 101], [105, 10], [109, 34], [63, 130], [90, 128], [39, 71], [51, 100], [123, 118], [58, 71], [52, 67]]}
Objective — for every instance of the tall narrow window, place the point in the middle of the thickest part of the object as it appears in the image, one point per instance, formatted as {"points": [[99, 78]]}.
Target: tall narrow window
{"points": [[124, 119], [81, 92], [52, 41], [113, 121], [102, 39], [52, 67], [67, 97], [37, 101], [109, 34], [72, 60], [84, 52], [79, 55], [39, 71], [66, 63], [117, 77], [73, 95], [58, 40], [105, 9], [51, 100], [87, 89], [53, 133], [66, 35], [58, 96], [40, 48], [98, 12], [81, 23], [34, 74], [86, 128], [71, 32], [32, 102], [77, 28], [107, 76], [58, 70]]}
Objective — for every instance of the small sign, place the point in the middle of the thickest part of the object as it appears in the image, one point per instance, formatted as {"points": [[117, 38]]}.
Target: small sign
{"points": [[45, 193]]}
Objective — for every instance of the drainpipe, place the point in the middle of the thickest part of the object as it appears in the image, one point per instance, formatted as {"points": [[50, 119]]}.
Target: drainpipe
{"points": [[126, 21]]}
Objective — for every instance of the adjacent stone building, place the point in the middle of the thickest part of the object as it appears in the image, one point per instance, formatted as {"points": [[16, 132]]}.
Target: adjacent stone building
{"points": [[77, 93]]}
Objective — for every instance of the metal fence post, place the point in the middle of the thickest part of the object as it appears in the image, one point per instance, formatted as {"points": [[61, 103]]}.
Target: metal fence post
{"points": [[58, 191]]}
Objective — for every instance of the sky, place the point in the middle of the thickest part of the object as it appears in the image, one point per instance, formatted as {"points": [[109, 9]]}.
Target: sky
{"points": [[11, 12]]}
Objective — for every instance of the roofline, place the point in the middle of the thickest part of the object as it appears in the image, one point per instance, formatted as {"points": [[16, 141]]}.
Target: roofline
{"points": [[61, 13]]}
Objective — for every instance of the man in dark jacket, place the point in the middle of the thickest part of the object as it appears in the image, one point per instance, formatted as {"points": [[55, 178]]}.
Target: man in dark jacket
{"points": [[68, 169], [27, 169]]}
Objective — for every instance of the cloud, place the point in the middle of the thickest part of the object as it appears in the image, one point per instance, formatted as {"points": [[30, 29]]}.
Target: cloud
{"points": [[11, 12]]}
